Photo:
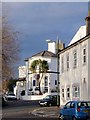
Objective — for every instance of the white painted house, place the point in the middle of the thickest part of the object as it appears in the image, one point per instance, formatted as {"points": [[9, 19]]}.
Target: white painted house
{"points": [[75, 66], [21, 83], [48, 83]]}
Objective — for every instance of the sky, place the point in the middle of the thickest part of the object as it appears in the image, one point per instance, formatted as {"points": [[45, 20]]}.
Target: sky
{"points": [[45, 0], [38, 21]]}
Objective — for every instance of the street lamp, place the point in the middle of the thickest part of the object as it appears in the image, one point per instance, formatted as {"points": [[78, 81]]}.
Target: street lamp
{"points": [[27, 76]]}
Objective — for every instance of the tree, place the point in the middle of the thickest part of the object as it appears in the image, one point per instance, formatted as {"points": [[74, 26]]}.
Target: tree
{"points": [[11, 84], [8, 85], [10, 49], [43, 67]]}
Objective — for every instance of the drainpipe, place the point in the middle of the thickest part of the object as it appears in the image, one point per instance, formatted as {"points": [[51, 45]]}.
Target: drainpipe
{"points": [[58, 74]]}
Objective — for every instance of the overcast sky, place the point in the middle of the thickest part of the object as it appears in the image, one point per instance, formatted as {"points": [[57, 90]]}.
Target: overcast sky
{"points": [[38, 22]]}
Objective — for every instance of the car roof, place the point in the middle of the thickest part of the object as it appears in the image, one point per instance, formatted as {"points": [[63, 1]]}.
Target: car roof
{"points": [[76, 101]]}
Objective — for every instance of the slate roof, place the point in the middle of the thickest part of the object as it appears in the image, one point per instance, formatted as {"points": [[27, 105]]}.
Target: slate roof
{"points": [[45, 54]]}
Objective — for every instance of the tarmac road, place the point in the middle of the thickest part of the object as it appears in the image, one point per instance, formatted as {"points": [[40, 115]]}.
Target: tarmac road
{"points": [[28, 110]]}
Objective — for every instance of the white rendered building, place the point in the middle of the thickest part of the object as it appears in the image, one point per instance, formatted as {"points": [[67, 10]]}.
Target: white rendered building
{"points": [[48, 83], [21, 83], [75, 67]]}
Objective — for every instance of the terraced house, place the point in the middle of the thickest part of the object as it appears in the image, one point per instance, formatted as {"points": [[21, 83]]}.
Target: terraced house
{"points": [[75, 66]]}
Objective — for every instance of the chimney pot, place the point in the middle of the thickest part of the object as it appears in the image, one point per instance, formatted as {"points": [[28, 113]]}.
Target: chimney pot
{"points": [[88, 20]]}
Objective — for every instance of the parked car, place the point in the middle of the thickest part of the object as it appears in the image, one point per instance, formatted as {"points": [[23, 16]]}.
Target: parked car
{"points": [[75, 110], [10, 96], [49, 100]]}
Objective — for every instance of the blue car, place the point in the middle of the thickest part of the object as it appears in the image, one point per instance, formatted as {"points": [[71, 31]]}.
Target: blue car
{"points": [[75, 110]]}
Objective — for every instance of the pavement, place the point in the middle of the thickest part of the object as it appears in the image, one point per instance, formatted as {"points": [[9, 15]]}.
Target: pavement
{"points": [[51, 112]]}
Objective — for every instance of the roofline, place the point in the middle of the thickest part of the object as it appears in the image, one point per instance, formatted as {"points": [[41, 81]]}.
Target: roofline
{"points": [[22, 79], [26, 59], [43, 51], [74, 44]]}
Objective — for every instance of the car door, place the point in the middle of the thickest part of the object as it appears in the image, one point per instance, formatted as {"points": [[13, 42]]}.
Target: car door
{"points": [[54, 100], [72, 110], [66, 111]]}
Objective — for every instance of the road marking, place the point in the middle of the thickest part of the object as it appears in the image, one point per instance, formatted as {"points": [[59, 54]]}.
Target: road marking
{"points": [[41, 113]]}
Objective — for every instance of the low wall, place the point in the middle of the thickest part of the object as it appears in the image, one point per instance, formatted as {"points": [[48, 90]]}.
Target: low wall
{"points": [[35, 97]]}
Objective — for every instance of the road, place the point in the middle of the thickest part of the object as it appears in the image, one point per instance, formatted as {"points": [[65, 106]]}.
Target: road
{"points": [[19, 109], [22, 110]]}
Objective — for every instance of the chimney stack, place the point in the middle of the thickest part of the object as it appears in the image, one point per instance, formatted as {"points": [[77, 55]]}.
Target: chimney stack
{"points": [[88, 20]]}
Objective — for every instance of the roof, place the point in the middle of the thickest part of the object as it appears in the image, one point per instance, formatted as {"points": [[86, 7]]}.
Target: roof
{"points": [[76, 101], [75, 43], [21, 79], [45, 54], [80, 34]]}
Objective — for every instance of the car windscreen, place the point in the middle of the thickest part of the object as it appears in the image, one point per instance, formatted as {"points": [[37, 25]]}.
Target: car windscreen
{"points": [[83, 105], [47, 97]]}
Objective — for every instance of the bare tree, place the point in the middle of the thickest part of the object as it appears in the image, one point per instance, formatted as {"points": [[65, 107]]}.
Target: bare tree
{"points": [[10, 49]]}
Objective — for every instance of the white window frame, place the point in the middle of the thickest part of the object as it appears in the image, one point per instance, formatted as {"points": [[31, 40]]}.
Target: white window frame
{"points": [[84, 55], [76, 91], [63, 95], [67, 61], [75, 59], [62, 64], [68, 93]]}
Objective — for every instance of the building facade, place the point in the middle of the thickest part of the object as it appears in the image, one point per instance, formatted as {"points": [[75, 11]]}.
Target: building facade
{"points": [[75, 67], [21, 83], [48, 79]]}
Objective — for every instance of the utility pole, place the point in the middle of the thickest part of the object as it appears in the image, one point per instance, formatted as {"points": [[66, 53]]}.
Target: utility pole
{"points": [[58, 100]]}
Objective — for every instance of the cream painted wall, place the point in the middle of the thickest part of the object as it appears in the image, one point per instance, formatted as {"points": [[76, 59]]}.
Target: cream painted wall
{"points": [[78, 75], [89, 68]]}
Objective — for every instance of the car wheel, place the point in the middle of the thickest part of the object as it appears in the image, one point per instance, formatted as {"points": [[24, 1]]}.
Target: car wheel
{"points": [[50, 104], [61, 117], [74, 118]]}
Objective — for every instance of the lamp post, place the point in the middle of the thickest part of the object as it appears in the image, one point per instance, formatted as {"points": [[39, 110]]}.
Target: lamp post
{"points": [[27, 77]]}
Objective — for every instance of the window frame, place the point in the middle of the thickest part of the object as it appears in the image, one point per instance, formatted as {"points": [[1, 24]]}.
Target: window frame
{"points": [[76, 92], [63, 95], [46, 81], [62, 64], [74, 58], [84, 57], [68, 93], [67, 58]]}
